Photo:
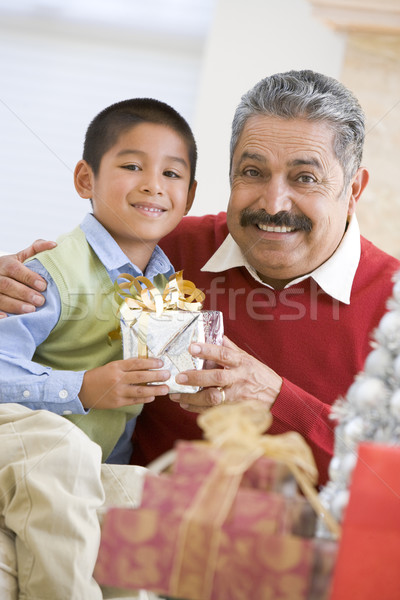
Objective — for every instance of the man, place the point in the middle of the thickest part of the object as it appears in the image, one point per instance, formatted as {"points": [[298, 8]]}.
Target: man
{"points": [[300, 290]]}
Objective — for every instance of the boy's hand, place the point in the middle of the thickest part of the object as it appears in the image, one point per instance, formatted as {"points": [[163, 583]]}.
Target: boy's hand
{"points": [[122, 383], [19, 286]]}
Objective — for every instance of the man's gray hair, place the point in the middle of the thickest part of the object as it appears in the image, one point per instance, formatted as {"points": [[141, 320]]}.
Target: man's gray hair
{"points": [[313, 96]]}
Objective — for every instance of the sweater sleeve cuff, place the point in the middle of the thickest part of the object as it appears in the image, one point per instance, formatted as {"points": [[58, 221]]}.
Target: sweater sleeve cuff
{"points": [[301, 411]]}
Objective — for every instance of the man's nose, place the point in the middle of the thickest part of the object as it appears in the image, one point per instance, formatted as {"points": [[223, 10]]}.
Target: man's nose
{"points": [[276, 196]]}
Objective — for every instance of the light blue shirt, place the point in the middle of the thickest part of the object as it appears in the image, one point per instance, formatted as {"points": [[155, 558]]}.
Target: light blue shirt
{"points": [[38, 387]]}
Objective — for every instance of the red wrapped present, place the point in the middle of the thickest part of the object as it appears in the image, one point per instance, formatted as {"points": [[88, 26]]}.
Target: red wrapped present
{"points": [[218, 527], [369, 551]]}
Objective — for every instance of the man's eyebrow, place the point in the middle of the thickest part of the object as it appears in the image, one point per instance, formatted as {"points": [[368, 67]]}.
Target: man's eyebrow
{"points": [[292, 163], [252, 156], [127, 151], [313, 162]]}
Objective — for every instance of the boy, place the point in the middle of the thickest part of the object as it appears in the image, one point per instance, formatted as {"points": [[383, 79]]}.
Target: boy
{"points": [[138, 170]]}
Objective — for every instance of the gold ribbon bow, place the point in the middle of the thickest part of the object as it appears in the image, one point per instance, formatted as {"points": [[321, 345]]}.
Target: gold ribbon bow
{"points": [[163, 294], [237, 430]]}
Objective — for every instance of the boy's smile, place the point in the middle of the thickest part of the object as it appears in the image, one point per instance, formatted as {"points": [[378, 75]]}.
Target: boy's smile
{"points": [[141, 191]]}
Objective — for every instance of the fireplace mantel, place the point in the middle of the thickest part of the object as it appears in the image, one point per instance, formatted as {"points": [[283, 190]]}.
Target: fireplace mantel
{"points": [[377, 16]]}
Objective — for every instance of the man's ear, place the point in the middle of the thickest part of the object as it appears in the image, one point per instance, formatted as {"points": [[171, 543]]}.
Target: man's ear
{"points": [[83, 179], [190, 196], [357, 187]]}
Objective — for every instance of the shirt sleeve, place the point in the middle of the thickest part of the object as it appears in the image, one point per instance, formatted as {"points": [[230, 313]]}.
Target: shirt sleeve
{"points": [[24, 381]]}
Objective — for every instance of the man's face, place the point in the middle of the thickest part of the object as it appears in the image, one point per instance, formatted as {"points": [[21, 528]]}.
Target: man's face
{"points": [[288, 207]]}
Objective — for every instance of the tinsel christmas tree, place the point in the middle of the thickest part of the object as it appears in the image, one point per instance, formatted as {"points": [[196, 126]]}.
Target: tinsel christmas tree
{"points": [[371, 409]]}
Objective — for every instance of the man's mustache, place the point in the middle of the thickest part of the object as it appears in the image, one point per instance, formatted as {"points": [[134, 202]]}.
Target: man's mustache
{"points": [[280, 219]]}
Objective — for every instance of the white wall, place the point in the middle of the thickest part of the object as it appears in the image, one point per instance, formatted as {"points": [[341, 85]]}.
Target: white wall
{"points": [[250, 39], [58, 69], [61, 64]]}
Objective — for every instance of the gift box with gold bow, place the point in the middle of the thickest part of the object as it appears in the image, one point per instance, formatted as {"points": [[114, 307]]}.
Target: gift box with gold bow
{"points": [[227, 523], [161, 319]]}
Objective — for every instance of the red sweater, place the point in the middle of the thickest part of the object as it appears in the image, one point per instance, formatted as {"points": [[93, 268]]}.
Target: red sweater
{"points": [[316, 344]]}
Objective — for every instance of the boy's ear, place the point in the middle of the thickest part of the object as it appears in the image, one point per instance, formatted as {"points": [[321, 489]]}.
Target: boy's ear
{"points": [[83, 179], [190, 196]]}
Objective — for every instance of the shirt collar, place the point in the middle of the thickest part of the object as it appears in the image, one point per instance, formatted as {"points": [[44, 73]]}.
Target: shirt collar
{"points": [[335, 276], [111, 255]]}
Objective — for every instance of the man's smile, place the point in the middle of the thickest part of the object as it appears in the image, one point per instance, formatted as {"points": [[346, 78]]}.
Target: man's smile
{"points": [[281, 222], [271, 228]]}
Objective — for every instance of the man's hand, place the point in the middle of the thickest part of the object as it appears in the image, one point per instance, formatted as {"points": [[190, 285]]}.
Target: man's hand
{"points": [[242, 377], [123, 383], [19, 286]]}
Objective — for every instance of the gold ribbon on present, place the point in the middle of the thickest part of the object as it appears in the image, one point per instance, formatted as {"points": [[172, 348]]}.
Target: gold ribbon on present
{"points": [[237, 430], [174, 293], [162, 295], [241, 431]]}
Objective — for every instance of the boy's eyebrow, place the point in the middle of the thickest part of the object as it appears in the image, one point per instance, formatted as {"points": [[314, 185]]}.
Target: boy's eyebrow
{"points": [[178, 159]]}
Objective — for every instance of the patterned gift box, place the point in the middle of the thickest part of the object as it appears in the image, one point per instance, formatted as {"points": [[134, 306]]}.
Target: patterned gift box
{"points": [[218, 528]]}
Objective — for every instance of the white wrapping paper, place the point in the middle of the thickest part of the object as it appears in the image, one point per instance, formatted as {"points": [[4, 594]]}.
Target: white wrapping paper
{"points": [[168, 336]]}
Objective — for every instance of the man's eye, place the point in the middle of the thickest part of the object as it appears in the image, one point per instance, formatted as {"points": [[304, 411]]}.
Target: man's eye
{"points": [[306, 179], [251, 172], [171, 174]]}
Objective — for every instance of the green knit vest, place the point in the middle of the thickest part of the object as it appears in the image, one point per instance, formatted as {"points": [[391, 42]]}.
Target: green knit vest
{"points": [[79, 341]]}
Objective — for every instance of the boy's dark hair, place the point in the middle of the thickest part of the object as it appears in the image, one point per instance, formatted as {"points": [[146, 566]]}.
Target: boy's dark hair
{"points": [[108, 125]]}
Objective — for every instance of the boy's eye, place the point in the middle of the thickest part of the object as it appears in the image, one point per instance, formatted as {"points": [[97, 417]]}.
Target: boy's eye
{"points": [[131, 167], [171, 174]]}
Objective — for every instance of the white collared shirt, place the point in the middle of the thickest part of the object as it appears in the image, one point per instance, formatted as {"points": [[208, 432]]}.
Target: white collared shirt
{"points": [[335, 276]]}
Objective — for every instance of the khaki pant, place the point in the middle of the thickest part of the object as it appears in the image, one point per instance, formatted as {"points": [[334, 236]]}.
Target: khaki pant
{"points": [[52, 490]]}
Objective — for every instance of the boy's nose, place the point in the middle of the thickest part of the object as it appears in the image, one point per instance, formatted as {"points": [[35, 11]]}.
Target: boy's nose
{"points": [[152, 186]]}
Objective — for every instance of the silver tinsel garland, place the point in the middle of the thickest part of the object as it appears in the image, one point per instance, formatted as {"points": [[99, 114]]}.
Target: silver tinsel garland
{"points": [[371, 409]]}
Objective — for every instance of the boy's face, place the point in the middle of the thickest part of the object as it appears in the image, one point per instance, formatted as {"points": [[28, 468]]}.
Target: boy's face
{"points": [[141, 191]]}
